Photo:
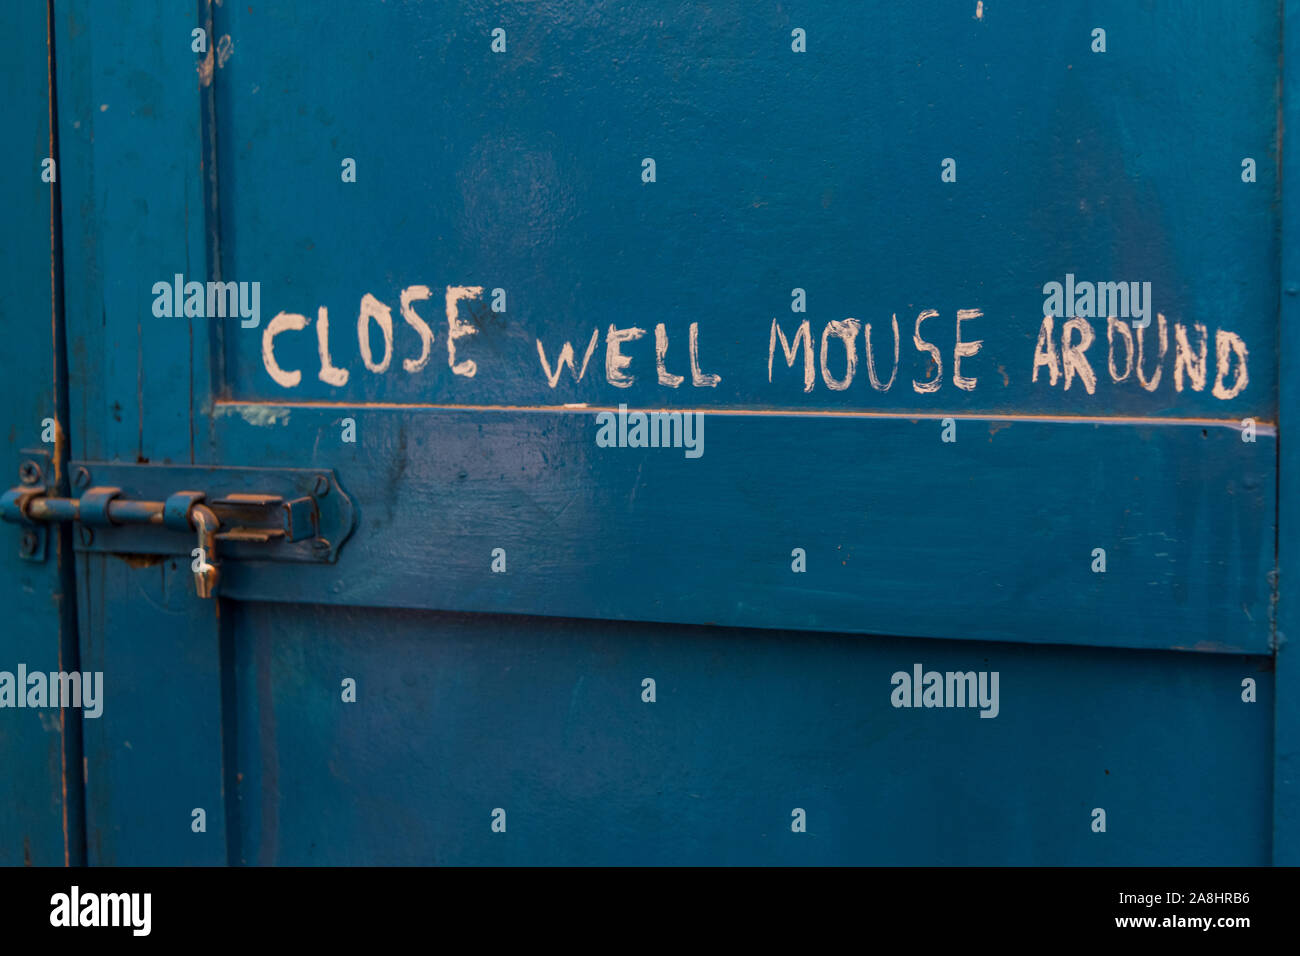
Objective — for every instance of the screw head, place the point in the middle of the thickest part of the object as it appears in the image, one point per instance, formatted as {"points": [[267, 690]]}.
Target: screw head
{"points": [[82, 478], [321, 486], [29, 473], [30, 543], [87, 535]]}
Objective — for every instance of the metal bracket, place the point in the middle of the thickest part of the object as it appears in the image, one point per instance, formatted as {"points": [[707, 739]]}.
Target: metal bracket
{"points": [[36, 477]]}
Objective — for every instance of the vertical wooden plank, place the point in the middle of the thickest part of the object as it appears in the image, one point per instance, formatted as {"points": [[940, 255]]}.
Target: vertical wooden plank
{"points": [[40, 788], [135, 212], [1286, 759]]}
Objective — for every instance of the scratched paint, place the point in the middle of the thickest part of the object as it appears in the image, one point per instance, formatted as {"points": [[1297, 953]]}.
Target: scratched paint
{"points": [[264, 416]]}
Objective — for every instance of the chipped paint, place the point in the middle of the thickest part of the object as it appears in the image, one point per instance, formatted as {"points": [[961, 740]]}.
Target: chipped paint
{"points": [[262, 416]]}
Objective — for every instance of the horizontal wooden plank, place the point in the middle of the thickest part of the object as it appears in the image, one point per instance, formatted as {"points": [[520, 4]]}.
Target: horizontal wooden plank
{"points": [[458, 714], [522, 171], [990, 536]]}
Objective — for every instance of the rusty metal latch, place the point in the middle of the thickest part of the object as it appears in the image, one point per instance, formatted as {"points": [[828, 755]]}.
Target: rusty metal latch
{"points": [[296, 515]]}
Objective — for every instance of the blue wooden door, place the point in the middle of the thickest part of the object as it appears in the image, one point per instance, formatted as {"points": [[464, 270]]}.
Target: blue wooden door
{"points": [[957, 542]]}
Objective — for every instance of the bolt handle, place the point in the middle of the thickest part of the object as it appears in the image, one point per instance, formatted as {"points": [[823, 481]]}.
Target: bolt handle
{"points": [[205, 566]]}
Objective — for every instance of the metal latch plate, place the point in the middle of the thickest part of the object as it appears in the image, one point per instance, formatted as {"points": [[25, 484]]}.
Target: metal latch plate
{"points": [[313, 514]]}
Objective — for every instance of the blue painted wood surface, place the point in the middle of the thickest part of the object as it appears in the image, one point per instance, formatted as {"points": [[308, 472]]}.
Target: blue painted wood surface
{"points": [[129, 124], [775, 170], [1286, 761], [990, 537], [40, 785], [457, 715]]}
